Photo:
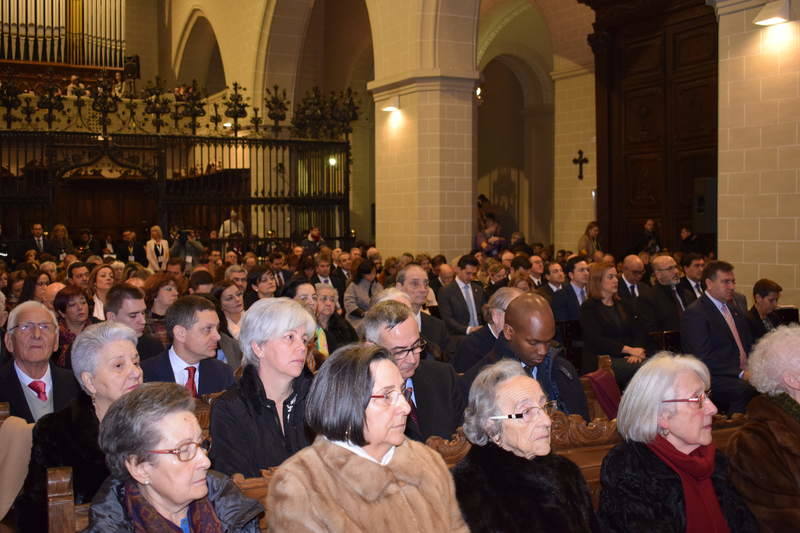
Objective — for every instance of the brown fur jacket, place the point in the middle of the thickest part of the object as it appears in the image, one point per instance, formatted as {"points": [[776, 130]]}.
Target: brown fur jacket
{"points": [[327, 488], [765, 462]]}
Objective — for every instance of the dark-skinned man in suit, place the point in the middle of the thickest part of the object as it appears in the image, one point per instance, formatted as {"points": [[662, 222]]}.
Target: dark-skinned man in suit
{"points": [[192, 323], [435, 396]]}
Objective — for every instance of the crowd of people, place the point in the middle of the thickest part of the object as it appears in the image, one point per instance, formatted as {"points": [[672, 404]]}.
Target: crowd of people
{"points": [[336, 366]]}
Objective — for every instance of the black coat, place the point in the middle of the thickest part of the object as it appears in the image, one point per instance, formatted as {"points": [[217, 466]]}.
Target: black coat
{"points": [[565, 304], [641, 493], [757, 327], [65, 438], [434, 331], [664, 312], [501, 492], [473, 348], [65, 388], [454, 308], [237, 513], [604, 336], [245, 430], [215, 376], [339, 333], [439, 400]]}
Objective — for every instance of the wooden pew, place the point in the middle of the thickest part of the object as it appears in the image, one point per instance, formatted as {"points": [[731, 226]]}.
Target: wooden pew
{"points": [[595, 409]]}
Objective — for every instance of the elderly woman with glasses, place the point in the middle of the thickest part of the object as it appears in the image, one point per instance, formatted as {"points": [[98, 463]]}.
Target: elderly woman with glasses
{"points": [[337, 330], [764, 452], [106, 365], [362, 474], [160, 478], [510, 480], [259, 422], [667, 474]]}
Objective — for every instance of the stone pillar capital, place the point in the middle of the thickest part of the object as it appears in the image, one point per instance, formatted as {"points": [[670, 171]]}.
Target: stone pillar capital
{"points": [[728, 7]]}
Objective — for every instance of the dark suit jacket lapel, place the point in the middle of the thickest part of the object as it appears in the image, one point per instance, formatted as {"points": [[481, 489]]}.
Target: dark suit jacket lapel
{"points": [[61, 389], [15, 394], [165, 368]]}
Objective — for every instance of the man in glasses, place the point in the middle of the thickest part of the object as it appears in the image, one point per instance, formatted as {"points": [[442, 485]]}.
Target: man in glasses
{"points": [[437, 402], [32, 385], [413, 281], [528, 338]]}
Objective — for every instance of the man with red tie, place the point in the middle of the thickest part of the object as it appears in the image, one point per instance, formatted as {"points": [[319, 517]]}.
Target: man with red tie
{"points": [[29, 382], [192, 323], [432, 389]]}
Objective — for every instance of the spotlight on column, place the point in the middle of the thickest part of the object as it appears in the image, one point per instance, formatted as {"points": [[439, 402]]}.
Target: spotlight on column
{"points": [[332, 161], [776, 12], [392, 104]]}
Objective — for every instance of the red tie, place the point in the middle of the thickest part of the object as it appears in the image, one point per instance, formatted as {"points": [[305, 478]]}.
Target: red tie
{"points": [[190, 386], [40, 389], [726, 314], [410, 399]]}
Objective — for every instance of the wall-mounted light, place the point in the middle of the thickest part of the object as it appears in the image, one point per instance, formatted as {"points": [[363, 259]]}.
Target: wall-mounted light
{"points": [[227, 125], [332, 161], [392, 104], [479, 94], [776, 12]]}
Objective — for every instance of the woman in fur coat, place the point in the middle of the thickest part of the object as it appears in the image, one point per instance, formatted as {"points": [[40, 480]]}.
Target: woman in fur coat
{"points": [[667, 476], [509, 481], [765, 452]]}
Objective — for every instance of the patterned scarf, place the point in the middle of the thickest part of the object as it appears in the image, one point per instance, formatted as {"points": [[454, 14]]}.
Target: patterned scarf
{"points": [[145, 518]]}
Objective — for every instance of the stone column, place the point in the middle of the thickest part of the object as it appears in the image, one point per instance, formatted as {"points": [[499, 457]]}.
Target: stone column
{"points": [[759, 148], [425, 164]]}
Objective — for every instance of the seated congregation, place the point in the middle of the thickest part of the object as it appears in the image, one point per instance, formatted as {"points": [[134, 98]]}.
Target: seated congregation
{"points": [[334, 381]]}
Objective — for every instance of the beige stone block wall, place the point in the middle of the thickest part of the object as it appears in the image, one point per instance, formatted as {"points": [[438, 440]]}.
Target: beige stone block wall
{"points": [[575, 130], [759, 153], [424, 187]]}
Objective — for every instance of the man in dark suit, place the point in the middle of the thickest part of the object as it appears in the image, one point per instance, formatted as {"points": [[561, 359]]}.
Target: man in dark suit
{"points": [[130, 250], [691, 283], [461, 301], [527, 337], [125, 304], [322, 265], [554, 280], [35, 242], [436, 399], [192, 323], [567, 302], [29, 383], [445, 277], [666, 303], [718, 334], [413, 281], [278, 265], [477, 344], [631, 290]]}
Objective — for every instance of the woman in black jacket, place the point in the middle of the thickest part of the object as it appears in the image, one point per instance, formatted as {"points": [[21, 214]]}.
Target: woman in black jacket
{"points": [[607, 327], [260, 421], [337, 330], [667, 476], [106, 364], [510, 481]]}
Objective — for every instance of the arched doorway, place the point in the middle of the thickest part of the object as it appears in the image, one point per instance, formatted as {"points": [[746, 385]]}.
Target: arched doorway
{"points": [[201, 59]]}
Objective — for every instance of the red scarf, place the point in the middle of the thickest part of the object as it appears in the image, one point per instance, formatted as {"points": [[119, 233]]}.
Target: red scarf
{"points": [[145, 518], [703, 513]]}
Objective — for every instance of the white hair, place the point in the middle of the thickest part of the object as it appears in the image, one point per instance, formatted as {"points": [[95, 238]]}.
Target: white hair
{"points": [[269, 318], [478, 428], [642, 403], [233, 269], [91, 341], [30, 305], [392, 293], [776, 352]]}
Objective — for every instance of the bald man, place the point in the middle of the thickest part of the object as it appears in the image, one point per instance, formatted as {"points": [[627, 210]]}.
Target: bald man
{"points": [[446, 275], [50, 294], [527, 337], [667, 302]]}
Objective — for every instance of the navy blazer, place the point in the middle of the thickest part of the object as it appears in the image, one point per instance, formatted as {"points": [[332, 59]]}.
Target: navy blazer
{"points": [[215, 376], [65, 389], [705, 334], [473, 348], [453, 307], [565, 304], [439, 399]]}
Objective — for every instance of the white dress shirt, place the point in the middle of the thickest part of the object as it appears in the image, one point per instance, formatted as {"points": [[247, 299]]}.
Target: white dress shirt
{"points": [[179, 369]]}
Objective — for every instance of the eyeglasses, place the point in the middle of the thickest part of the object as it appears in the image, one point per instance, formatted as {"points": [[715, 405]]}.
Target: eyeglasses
{"points": [[393, 396], [699, 400], [401, 353], [27, 327], [530, 413], [184, 452]]}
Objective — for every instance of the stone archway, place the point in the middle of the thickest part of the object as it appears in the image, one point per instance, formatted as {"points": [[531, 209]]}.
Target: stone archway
{"points": [[199, 56]]}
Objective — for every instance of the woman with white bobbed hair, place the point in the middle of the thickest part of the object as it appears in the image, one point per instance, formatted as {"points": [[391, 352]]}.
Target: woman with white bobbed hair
{"points": [[765, 452], [667, 475], [106, 366], [259, 422]]}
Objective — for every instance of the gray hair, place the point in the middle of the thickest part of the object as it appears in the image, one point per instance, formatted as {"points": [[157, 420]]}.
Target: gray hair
{"points": [[130, 427], [384, 316], [29, 306], [500, 300], [483, 401], [775, 353], [392, 293], [91, 340], [325, 286], [233, 269], [401, 276], [642, 404], [269, 318]]}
